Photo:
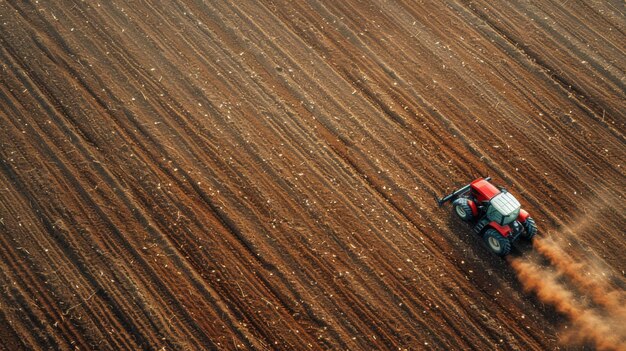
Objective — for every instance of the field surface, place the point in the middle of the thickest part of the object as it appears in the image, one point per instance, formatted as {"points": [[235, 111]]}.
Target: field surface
{"points": [[260, 174]]}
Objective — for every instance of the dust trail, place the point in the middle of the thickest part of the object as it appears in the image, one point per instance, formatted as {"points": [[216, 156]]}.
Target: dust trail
{"points": [[597, 289], [601, 326]]}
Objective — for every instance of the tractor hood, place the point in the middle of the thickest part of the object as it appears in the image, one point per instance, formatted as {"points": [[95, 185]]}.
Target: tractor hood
{"points": [[504, 208], [484, 190]]}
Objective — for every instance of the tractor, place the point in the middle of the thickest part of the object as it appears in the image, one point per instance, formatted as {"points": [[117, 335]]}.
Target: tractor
{"points": [[495, 214]]}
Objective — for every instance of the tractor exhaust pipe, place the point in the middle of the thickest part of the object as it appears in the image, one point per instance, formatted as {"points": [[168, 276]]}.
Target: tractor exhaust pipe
{"points": [[455, 194]]}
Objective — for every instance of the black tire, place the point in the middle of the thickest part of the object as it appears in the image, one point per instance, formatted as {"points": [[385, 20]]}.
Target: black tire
{"points": [[462, 209], [500, 245], [530, 228]]}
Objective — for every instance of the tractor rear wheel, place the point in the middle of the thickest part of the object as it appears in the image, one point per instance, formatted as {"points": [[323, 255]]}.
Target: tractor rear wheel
{"points": [[530, 228], [463, 209], [500, 245]]}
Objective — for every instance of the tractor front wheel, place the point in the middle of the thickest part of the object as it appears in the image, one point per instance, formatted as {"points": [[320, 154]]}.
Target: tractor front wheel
{"points": [[530, 228], [463, 209], [500, 245]]}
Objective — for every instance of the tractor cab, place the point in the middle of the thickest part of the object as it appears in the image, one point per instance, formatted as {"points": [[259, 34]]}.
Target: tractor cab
{"points": [[503, 209]]}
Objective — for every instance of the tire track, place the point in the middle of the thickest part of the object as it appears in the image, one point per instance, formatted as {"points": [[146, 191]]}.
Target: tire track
{"points": [[113, 227], [207, 202]]}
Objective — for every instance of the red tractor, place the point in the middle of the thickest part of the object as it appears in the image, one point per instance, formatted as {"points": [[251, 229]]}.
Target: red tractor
{"points": [[494, 212]]}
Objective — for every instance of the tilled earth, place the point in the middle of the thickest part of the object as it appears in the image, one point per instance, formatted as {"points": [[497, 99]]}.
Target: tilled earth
{"points": [[260, 174]]}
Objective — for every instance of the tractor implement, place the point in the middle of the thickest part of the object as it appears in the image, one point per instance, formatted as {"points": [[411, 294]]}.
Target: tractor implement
{"points": [[456, 193]]}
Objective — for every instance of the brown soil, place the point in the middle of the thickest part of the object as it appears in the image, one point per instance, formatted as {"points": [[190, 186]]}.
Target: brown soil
{"points": [[260, 174]]}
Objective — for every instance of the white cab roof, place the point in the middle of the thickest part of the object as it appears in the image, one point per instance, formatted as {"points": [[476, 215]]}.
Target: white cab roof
{"points": [[505, 203]]}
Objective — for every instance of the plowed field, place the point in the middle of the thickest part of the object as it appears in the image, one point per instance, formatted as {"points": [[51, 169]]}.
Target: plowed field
{"points": [[260, 174]]}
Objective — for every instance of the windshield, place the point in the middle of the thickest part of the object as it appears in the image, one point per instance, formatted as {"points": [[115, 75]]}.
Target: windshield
{"points": [[504, 208]]}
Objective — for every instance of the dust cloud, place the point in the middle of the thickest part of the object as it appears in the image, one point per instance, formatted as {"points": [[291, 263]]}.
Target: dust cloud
{"points": [[596, 311]]}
